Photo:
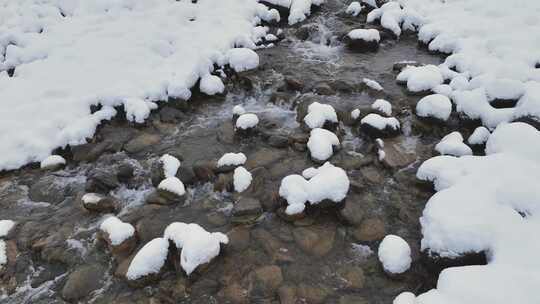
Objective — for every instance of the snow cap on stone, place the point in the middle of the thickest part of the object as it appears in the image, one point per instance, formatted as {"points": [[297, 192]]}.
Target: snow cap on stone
{"points": [[321, 144], [319, 114], [395, 254]]}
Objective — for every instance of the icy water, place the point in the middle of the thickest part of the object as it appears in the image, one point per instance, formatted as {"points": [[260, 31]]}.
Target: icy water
{"points": [[329, 256]]}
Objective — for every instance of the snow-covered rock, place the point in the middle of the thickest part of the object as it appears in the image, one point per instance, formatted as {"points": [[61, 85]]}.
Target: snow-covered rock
{"points": [[405, 298], [247, 122], [479, 136], [116, 230], [241, 179], [382, 106], [318, 184], [372, 84], [242, 59], [238, 110], [5, 227], [98, 203], [231, 160], [378, 126], [363, 39], [452, 144], [52, 162], [321, 144], [170, 165], [172, 185], [355, 114], [319, 114], [198, 245], [394, 254], [149, 261], [211, 85], [354, 8], [393, 18], [421, 79], [436, 106], [3, 254]]}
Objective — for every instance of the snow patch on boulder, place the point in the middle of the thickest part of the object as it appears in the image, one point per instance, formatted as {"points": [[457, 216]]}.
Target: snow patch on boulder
{"points": [[321, 144], [436, 106], [173, 185], [149, 260], [395, 254], [319, 114], [241, 179], [117, 230], [382, 106]]}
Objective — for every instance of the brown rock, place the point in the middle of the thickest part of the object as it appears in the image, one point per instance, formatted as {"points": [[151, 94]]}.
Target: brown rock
{"points": [[141, 142], [312, 294], [287, 295], [268, 279], [372, 229], [396, 157], [317, 241]]}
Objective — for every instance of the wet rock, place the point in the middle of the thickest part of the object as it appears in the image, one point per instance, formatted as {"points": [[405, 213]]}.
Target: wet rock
{"points": [[372, 229], [264, 157], [142, 142], [271, 245], [149, 228], [239, 239], [204, 286], [399, 66], [101, 181], [353, 299], [125, 172], [48, 190], [372, 175], [278, 141], [99, 203], [317, 241], [396, 157], [361, 45], [171, 115], [224, 182], [172, 290], [324, 89], [247, 209], [81, 282], [120, 250], [186, 175], [164, 197], [204, 171], [225, 133], [294, 84], [353, 211], [216, 219], [235, 293], [312, 294], [266, 280], [373, 132], [353, 277], [287, 295]]}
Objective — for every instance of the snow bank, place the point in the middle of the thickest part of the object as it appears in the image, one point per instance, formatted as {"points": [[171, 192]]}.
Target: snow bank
{"points": [[354, 9], [52, 161], [117, 230], [170, 165], [319, 114], [452, 144], [321, 144], [247, 121], [149, 260], [486, 203], [198, 245], [232, 159], [395, 254], [69, 55], [172, 184], [479, 137], [324, 183], [241, 179], [5, 227], [382, 106], [380, 123], [435, 105]]}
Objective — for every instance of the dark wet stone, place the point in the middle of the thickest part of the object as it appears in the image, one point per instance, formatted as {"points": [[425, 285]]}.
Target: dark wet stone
{"points": [[278, 141], [125, 172], [324, 89], [396, 157], [121, 250], [372, 229], [353, 211], [313, 294], [360, 45], [48, 190], [225, 133], [204, 286], [224, 182], [239, 238], [216, 219], [287, 294], [171, 115], [101, 181], [372, 175], [186, 175], [150, 228], [264, 157], [204, 171], [142, 142], [171, 290], [294, 84], [353, 299], [105, 204], [316, 241], [235, 293], [377, 133], [353, 277], [266, 280], [164, 197], [247, 209], [81, 282]]}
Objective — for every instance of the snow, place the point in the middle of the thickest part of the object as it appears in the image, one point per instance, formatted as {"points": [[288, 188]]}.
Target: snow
{"points": [[395, 254], [319, 114], [443, 89], [354, 8], [5, 227], [242, 59], [405, 298], [452, 144], [241, 179], [117, 230], [247, 121], [149, 260], [391, 15], [300, 9], [365, 35], [355, 114], [91, 198], [238, 110], [52, 161], [486, 203], [170, 165], [173, 184], [379, 122], [324, 183], [3, 253], [379, 142], [321, 143], [435, 105], [271, 37], [372, 3], [198, 245], [372, 84], [381, 154], [382, 106], [211, 85], [423, 78], [102, 52], [232, 159], [479, 137]]}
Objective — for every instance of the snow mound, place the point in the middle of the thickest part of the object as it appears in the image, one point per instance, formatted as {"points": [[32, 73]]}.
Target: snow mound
{"points": [[247, 121], [452, 144], [365, 35], [395, 254], [319, 114], [5, 227], [170, 165], [435, 105], [238, 110], [321, 144], [69, 55], [232, 159], [479, 137], [117, 230], [241, 179], [420, 79], [172, 184], [372, 84], [380, 123], [149, 260], [382, 106], [354, 9], [486, 204], [198, 245], [52, 161], [211, 85], [318, 184]]}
